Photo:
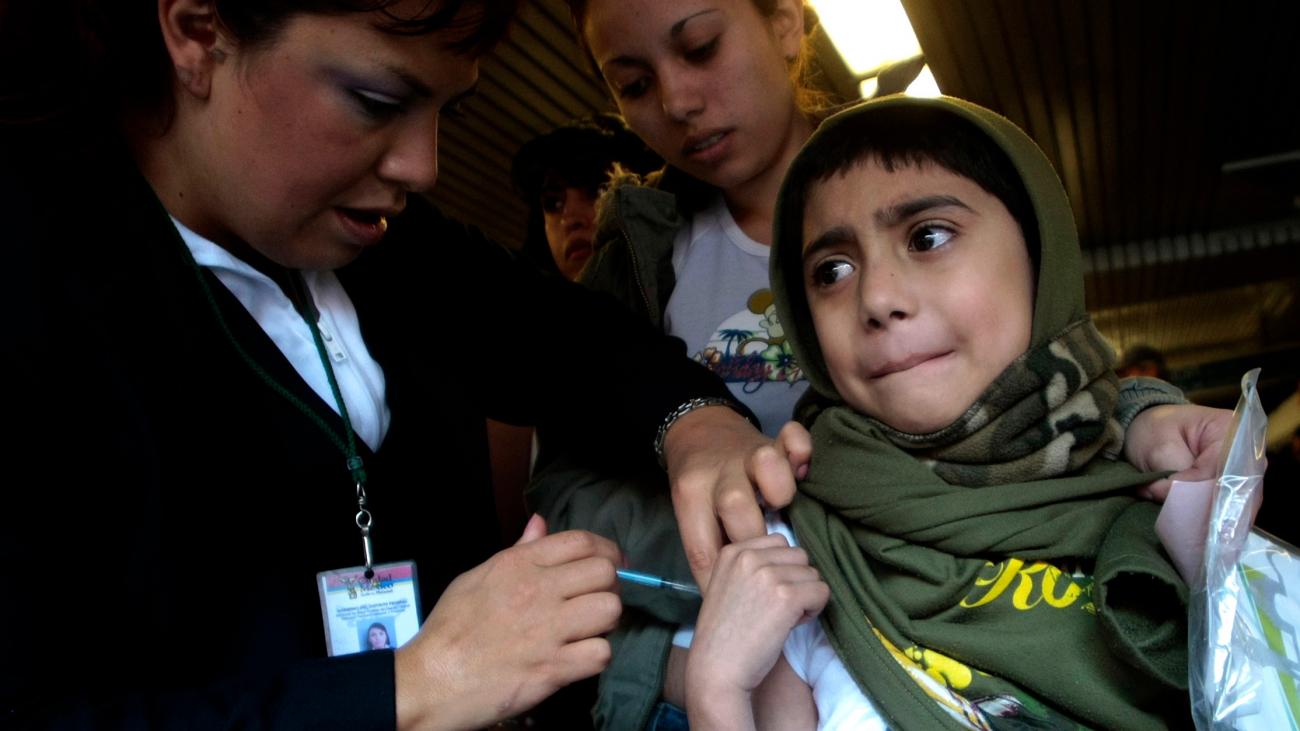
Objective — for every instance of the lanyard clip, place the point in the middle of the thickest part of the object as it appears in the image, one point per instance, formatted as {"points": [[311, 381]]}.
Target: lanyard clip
{"points": [[363, 523]]}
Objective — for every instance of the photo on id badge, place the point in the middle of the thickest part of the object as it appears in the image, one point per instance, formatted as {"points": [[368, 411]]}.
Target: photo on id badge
{"points": [[367, 614]]}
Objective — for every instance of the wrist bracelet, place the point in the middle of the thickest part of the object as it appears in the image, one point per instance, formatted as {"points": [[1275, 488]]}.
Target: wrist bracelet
{"points": [[677, 413]]}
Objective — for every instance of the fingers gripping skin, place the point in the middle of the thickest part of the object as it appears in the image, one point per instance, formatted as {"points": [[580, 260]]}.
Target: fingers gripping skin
{"points": [[1184, 438], [776, 469], [511, 631], [718, 464], [761, 589]]}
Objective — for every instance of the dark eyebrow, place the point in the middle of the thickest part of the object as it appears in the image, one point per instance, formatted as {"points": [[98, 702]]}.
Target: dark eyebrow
{"points": [[893, 215], [623, 61], [832, 237], [673, 32], [417, 87], [422, 90]]}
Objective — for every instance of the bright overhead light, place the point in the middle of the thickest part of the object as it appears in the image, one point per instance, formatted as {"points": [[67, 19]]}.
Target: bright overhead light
{"points": [[869, 87], [924, 84], [868, 33]]}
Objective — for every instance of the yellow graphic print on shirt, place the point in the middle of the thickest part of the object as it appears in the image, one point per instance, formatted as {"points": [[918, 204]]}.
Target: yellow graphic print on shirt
{"points": [[1031, 585], [1025, 587], [936, 675]]}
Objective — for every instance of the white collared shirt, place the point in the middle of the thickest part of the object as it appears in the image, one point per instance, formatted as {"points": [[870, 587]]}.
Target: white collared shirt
{"points": [[360, 378]]}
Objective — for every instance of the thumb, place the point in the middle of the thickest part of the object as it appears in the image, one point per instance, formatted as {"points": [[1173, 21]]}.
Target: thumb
{"points": [[536, 528], [1203, 467], [1156, 491], [796, 442], [774, 477]]}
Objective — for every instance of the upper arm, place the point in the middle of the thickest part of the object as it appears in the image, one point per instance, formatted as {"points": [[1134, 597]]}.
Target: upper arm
{"points": [[783, 701]]}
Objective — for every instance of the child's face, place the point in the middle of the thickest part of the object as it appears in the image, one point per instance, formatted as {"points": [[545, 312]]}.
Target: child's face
{"points": [[920, 287]]}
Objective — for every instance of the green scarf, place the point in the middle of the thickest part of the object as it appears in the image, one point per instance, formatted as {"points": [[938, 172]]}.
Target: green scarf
{"points": [[948, 549]]}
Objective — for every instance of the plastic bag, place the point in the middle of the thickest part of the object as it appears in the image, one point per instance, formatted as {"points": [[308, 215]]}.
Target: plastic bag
{"points": [[1244, 618]]}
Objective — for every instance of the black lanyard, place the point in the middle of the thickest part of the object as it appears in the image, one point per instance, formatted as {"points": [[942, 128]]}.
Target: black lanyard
{"points": [[296, 289]]}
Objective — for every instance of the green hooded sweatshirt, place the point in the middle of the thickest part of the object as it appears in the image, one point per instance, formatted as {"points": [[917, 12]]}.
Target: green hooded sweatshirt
{"points": [[996, 573]]}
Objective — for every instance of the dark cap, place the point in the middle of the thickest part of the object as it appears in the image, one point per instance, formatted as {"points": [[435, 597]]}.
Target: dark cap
{"points": [[1135, 357], [580, 153], [1140, 354]]}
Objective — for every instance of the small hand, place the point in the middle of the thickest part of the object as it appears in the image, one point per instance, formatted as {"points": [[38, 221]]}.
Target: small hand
{"points": [[761, 589], [1187, 439], [511, 631], [716, 460]]}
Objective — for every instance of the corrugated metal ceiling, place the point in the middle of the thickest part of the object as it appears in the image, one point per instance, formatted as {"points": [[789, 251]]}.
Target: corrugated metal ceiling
{"points": [[534, 81]]}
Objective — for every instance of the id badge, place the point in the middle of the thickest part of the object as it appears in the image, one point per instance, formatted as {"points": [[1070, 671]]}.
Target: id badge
{"points": [[361, 615]]}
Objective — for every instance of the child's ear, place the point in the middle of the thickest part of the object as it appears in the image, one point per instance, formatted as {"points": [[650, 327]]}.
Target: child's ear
{"points": [[788, 26], [190, 32]]}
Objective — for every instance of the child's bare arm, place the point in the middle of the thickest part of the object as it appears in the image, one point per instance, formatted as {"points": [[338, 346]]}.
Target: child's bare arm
{"points": [[783, 701], [759, 591]]}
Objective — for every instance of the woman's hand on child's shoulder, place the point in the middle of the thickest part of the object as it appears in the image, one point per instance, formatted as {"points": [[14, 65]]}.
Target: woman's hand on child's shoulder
{"points": [[1184, 438], [761, 589]]}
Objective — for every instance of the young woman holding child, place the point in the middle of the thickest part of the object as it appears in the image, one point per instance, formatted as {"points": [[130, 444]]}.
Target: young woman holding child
{"points": [[713, 86]]}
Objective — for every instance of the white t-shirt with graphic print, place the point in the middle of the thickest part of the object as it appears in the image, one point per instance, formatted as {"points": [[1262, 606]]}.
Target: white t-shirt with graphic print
{"points": [[722, 307]]}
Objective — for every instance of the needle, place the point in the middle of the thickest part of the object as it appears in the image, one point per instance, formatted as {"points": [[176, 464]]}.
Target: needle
{"points": [[658, 582]]}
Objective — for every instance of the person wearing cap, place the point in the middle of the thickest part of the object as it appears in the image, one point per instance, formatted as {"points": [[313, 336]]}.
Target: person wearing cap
{"points": [[1144, 361], [560, 173]]}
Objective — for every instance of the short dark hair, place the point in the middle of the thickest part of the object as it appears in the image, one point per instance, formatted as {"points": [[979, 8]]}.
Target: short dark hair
{"points": [[1140, 353], [912, 136], [99, 56], [579, 154]]}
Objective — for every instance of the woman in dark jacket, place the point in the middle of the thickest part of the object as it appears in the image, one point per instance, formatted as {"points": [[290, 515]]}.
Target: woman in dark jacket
{"points": [[242, 354]]}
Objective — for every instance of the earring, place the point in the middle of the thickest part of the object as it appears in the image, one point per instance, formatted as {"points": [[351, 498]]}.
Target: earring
{"points": [[217, 55]]}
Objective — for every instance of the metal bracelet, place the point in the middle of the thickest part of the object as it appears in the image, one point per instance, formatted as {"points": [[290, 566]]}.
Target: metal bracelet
{"points": [[677, 413]]}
